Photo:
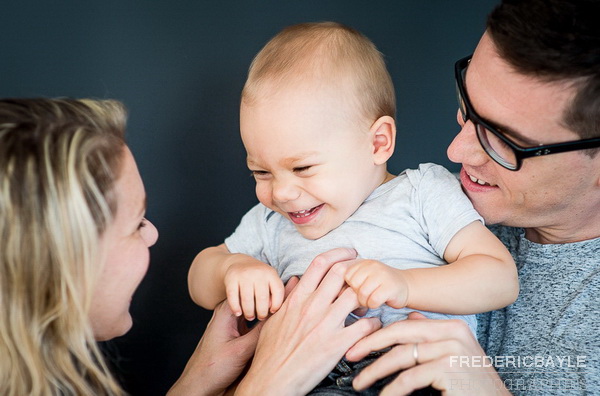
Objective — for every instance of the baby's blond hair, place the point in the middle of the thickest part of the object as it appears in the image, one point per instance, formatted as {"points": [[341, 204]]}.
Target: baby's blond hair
{"points": [[325, 52]]}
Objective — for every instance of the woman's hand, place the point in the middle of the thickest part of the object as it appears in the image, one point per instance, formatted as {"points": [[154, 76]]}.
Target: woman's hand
{"points": [[301, 343], [429, 352], [219, 358]]}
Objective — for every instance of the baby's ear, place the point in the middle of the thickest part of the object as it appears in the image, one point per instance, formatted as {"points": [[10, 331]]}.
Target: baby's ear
{"points": [[383, 131]]}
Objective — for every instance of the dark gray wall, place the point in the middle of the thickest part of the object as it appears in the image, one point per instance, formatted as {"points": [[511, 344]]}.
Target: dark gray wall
{"points": [[179, 66]]}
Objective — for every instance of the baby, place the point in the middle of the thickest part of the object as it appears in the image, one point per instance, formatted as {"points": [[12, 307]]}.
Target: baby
{"points": [[317, 121]]}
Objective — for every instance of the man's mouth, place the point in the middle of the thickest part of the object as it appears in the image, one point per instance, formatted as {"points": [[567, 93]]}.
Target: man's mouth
{"points": [[474, 184], [479, 181]]}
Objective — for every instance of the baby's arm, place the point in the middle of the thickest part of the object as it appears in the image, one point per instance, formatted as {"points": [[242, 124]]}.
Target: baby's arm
{"points": [[481, 276], [250, 286]]}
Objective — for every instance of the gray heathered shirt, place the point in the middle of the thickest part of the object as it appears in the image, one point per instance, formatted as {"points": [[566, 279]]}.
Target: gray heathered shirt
{"points": [[548, 341], [405, 223]]}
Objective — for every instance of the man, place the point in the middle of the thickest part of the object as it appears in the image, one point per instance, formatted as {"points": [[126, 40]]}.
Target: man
{"points": [[529, 145]]}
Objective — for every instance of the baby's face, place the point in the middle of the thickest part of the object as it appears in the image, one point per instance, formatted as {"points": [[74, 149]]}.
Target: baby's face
{"points": [[311, 156]]}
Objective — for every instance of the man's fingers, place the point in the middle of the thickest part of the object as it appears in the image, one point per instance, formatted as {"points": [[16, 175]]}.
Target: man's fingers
{"points": [[409, 332], [388, 364], [410, 380]]}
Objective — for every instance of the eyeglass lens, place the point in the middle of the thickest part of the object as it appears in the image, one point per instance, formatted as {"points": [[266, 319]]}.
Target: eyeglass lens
{"points": [[494, 146]]}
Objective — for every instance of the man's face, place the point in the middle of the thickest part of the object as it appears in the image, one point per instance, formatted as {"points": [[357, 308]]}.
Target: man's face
{"points": [[311, 158], [557, 194]]}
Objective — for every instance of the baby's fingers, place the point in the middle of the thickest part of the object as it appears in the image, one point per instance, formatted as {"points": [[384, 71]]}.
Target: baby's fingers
{"points": [[233, 299], [247, 300], [356, 276], [277, 294], [262, 299]]}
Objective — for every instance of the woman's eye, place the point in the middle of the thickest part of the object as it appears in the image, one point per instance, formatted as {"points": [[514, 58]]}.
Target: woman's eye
{"points": [[142, 223]]}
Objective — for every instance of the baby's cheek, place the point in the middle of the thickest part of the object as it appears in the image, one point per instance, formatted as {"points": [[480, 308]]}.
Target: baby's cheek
{"points": [[264, 196]]}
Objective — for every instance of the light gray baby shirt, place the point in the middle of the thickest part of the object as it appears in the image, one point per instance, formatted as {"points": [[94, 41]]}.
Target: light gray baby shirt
{"points": [[405, 223]]}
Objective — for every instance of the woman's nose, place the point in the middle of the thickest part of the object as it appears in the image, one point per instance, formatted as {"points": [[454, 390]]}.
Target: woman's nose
{"points": [[149, 233]]}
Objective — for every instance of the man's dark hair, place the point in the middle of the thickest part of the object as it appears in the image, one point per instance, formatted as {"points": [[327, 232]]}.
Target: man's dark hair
{"points": [[555, 40]]}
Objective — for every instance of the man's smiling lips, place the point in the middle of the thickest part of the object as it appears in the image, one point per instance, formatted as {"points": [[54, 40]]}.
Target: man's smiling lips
{"points": [[474, 184], [305, 215], [478, 181]]}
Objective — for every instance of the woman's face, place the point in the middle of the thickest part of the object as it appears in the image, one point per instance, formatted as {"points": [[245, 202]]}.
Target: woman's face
{"points": [[126, 242]]}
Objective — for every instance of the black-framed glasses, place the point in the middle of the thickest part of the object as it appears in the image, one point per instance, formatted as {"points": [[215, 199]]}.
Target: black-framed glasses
{"points": [[499, 147]]}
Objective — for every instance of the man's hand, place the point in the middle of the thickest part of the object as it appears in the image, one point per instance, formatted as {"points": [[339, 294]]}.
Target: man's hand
{"points": [[437, 346]]}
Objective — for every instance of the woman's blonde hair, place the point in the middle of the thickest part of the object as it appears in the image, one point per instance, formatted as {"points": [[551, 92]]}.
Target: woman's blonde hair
{"points": [[59, 160], [331, 53]]}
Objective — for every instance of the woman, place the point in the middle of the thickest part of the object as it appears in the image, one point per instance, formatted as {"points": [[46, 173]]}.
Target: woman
{"points": [[74, 247]]}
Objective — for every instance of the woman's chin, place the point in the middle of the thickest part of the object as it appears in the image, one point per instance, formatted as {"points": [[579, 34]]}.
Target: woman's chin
{"points": [[102, 333]]}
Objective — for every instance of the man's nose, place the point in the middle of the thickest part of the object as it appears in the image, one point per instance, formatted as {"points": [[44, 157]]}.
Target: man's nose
{"points": [[465, 148]]}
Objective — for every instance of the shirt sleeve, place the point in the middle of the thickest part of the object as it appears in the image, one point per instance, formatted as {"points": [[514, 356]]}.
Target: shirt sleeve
{"points": [[250, 236], [442, 205]]}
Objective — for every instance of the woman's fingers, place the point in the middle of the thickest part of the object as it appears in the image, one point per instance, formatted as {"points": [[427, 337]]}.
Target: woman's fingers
{"points": [[333, 285], [416, 316], [290, 285], [321, 265]]}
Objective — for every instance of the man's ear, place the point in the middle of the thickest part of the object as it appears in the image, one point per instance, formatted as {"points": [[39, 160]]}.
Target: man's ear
{"points": [[383, 132]]}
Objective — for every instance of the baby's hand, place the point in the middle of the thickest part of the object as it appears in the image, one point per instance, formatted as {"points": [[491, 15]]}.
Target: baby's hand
{"points": [[253, 288], [376, 284]]}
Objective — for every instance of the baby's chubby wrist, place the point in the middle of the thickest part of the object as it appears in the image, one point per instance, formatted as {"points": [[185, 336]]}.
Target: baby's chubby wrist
{"points": [[239, 264], [235, 260], [404, 279]]}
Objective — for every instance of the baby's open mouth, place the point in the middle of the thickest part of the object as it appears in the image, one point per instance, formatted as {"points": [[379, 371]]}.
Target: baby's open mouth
{"points": [[305, 212]]}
